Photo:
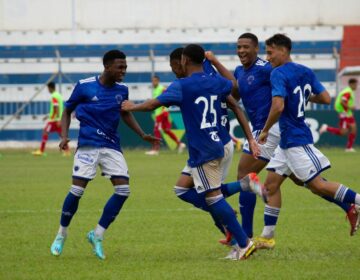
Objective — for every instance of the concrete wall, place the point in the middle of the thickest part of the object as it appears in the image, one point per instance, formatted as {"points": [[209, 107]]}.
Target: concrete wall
{"points": [[123, 14]]}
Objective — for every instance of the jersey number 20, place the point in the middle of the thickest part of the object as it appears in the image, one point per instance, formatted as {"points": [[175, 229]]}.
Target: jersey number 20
{"points": [[204, 122]]}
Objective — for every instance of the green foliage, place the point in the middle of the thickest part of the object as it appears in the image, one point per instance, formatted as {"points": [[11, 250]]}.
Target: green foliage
{"points": [[157, 236]]}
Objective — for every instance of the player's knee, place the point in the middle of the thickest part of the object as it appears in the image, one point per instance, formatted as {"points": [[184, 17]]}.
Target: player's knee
{"points": [[271, 187], [317, 186], [122, 190]]}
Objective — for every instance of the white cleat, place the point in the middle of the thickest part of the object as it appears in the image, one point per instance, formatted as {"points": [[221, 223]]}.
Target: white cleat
{"points": [[181, 147], [152, 153], [238, 253], [323, 128], [256, 186], [350, 150]]}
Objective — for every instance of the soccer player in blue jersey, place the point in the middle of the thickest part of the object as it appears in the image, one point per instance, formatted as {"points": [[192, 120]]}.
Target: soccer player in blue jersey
{"points": [[254, 89], [96, 101], [293, 85], [199, 98], [184, 186]]}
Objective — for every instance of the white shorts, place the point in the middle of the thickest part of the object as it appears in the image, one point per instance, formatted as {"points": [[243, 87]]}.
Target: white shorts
{"points": [[306, 162], [267, 150], [111, 162], [207, 177]]}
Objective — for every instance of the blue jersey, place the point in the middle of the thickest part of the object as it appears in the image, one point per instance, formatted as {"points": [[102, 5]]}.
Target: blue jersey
{"points": [[223, 117], [97, 108], [294, 82], [255, 91], [199, 98]]}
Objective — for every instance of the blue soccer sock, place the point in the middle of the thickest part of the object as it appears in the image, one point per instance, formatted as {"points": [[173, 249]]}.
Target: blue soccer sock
{"points": [[231, 188], [271, 215], [223, 211], [243, 185], [345, 206], [247, 202], [70, 207], [113, 207], [344, 194], [190, 195]]}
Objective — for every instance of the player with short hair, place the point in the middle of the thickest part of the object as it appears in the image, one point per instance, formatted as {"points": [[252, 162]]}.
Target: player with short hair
{"points": [[344, 106], [292, 86], [184, 186], [162, 121], [53, 123], [199, 98], [97, 101], [253, 80]]}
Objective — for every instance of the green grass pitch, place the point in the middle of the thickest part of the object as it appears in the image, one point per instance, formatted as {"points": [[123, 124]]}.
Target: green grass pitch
{"points": [[157, 236]]}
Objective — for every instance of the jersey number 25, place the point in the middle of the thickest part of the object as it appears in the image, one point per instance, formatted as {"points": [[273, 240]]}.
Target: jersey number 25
{"points": [[204, 122]]}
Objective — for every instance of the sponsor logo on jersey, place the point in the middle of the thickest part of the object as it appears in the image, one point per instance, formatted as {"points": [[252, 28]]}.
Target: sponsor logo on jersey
{"points": [[104, 135], [95, 98], [214, 136]]}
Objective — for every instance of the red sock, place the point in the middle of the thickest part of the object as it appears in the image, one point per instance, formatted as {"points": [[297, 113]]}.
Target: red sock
{"points": [[333, 130], [351, 140], [44, 139]]}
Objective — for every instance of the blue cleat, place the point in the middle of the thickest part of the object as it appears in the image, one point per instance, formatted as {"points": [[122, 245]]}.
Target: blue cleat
{"points": [[96, 243], [57, 245]]}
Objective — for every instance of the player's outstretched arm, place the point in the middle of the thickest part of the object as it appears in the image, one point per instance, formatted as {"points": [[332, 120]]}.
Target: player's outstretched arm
{"points": [[131, 122], [277, 106], [322, 98], [65, 124], [148, 105], [219, 66], [240, 116]]}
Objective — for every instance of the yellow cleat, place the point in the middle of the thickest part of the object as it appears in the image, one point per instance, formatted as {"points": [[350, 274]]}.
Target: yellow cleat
{"points": [[264, 243], [66, 153], [37, 153], [238, 145]]}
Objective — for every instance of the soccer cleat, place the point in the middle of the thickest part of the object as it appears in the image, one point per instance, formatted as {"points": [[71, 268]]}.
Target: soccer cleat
{"points": [[264, 243], [152, 153], [323, 128], [238, 253], [181, 147], [38, 153], [96, 243], [57, 245], [353, 215], [351, 150], [256, 186], [238, 145], [66, 153]]}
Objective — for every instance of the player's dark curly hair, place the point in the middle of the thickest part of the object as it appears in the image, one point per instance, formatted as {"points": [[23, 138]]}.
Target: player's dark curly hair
{"points": [[250, 36], [176, 54], [195, 52], [110, 56], [280, 40]]}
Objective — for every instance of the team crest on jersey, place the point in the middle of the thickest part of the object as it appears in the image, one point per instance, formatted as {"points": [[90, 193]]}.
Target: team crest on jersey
{"points": [[250, 79], [224, 120], [118, 98]]}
